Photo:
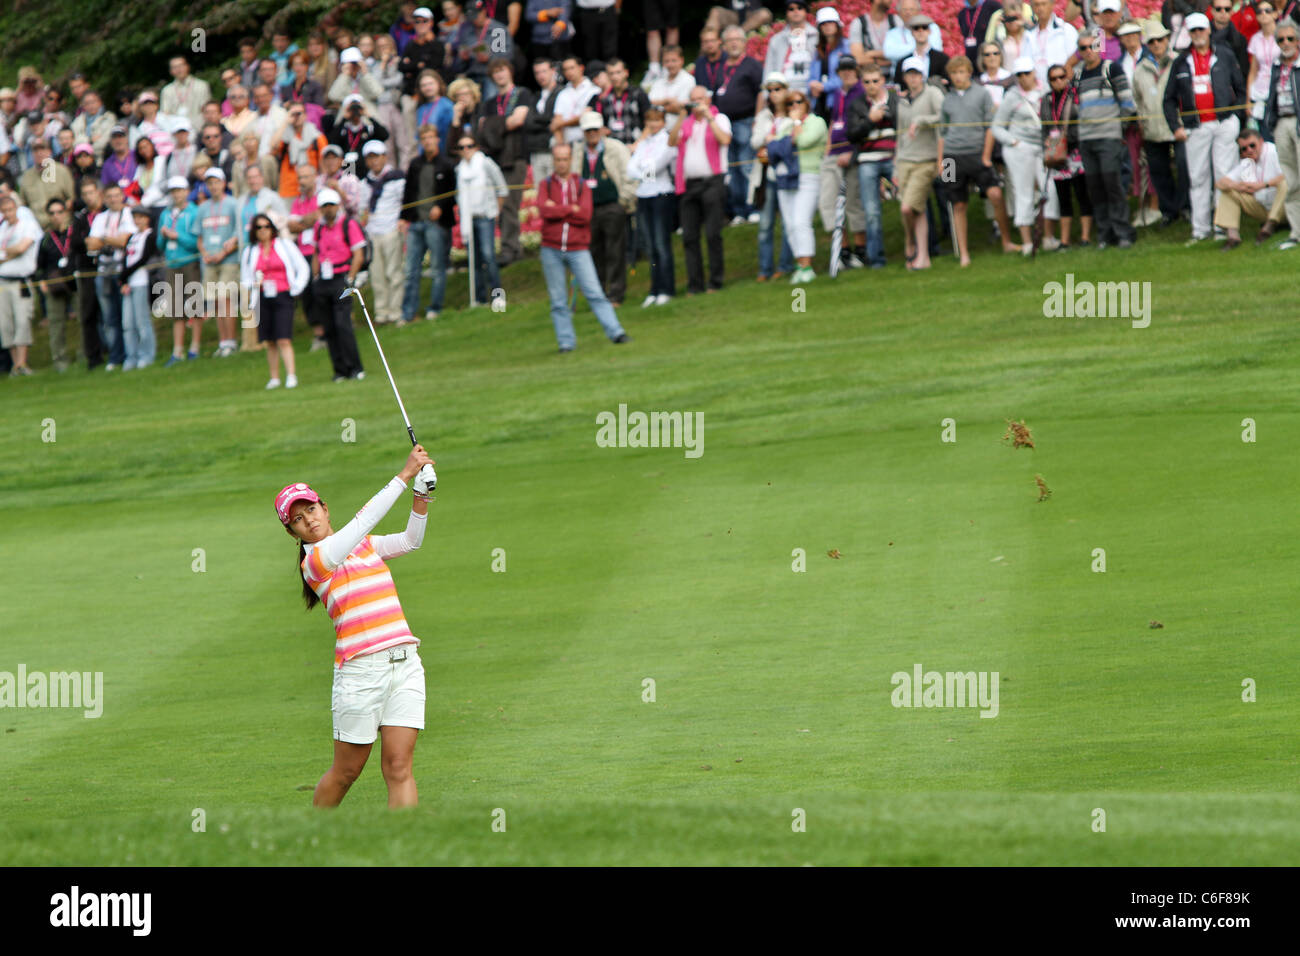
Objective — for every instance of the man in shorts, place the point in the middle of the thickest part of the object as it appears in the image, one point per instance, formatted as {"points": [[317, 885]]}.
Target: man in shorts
{"points": [[218, 235]]}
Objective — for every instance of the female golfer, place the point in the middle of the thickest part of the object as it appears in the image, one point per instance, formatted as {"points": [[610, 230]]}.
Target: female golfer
{"points": [[378, 677]]}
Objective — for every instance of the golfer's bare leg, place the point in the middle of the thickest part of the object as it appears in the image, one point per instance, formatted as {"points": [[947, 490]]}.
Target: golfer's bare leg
{"points": [[395, 759], [349, 760]]}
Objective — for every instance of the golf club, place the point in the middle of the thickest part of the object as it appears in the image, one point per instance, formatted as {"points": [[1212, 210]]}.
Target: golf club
{"points": [[354, 291]]}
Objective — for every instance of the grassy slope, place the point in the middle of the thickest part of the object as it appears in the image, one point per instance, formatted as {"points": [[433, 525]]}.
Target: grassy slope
{"points": [[822, 431]]}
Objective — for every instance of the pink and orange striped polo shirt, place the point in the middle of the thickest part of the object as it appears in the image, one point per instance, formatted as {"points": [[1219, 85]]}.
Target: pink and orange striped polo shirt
{"points": [[362, 602]]}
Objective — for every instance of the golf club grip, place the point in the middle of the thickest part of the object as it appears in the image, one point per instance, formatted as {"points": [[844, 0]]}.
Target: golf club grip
{"points": [[411, 431]]}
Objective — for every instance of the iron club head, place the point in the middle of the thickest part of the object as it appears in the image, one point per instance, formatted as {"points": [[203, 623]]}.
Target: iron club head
{"points": [[350, 290]]}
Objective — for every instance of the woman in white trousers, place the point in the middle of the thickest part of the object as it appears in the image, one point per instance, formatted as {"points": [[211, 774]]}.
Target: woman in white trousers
{"points": [[1017, 126]]}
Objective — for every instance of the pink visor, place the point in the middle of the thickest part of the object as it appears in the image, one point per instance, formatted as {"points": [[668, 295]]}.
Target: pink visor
{"points": [[288, 495]]}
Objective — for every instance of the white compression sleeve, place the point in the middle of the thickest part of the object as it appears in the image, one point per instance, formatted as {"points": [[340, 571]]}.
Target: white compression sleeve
{"points": [[395, 545], [335, 549]]}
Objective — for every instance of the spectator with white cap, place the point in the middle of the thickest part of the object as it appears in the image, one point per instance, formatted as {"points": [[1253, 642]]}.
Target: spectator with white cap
{"points": [[422, 52], [342, 179], [183, 150], [352, 129], [1251, 189], [762, 182], [382, 192], [1205, 106], [613, 197], [179, 245], [916, 166], [1282, 118], [1109, 17], [217, 228], [1018, 127], [355, 79], [339, 245], [480, 193], [108, 237], [1139, 176], [832, 47], [137, 314]]}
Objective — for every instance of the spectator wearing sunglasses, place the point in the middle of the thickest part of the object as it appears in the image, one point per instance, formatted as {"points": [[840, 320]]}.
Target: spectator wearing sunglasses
{"points": [[1163, 153], [1282, 119], [1105, 101], [1264, 52], [1224, 34], [1252, 189]]}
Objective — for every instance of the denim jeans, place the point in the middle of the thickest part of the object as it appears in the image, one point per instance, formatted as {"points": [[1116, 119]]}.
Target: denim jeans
{"points": [[555, 267], [436, 238], [486, 274], [766, 227], [739, 151], [138, 339], [109, 294], [869, 176], [656, 214]]}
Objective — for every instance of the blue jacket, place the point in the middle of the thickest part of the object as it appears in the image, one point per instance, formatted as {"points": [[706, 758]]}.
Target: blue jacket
{"points": [[185, 249], [782, 152]]}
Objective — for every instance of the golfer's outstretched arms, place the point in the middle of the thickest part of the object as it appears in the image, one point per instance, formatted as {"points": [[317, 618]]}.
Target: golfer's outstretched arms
{"points": [[332, 551], [395, 545]]}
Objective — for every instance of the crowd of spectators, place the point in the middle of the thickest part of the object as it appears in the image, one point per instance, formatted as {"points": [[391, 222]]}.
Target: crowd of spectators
{"points": [[360, 158]]}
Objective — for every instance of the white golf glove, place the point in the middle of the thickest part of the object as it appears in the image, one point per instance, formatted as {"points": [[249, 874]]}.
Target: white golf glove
{"points": [[425, 481]]}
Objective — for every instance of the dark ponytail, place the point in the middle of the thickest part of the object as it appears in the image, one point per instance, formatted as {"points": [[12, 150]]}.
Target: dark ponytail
{"points": [[309, 596]]}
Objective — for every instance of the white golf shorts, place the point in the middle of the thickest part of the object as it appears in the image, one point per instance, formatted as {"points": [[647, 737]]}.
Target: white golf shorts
{"points": [[376, 690]]}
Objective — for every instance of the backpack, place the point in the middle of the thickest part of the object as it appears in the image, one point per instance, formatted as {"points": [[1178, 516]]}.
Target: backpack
{"points": [[368, 251], [893, 19]]}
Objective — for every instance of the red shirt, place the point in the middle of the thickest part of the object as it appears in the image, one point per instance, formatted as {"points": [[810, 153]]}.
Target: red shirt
{"points": [[1201, 86], [562, 228]]}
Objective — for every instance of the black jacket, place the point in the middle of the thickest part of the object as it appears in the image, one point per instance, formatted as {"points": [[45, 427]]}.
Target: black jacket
{"points": [[538, 126], [938, 70], [47, 263], [858, 127], [1233, 39], [1226, 81], [444, 184], [1270, 108], [506, 148], [339, 135], [421, 56], [82, 260]]}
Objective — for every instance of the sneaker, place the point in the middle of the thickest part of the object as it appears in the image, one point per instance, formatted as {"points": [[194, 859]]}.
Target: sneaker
{"points": [[564, 349], [174, 360], [191, 356], [663, 299], [1288, 244], [649, 301], [850, 259], [359, 377], [128, 365], [431, 315], [1027, 250], [738, 221], [755, 218], [20, 370], [340, 378], [1051, 244], [805, 275], [623, 339], [794, 276], [317, 344], [291, 381], [1220, 234], [110, 367], [1125, 243]]}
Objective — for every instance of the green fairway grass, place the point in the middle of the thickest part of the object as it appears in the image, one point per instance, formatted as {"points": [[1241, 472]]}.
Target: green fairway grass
{"points": [[822, 432]]}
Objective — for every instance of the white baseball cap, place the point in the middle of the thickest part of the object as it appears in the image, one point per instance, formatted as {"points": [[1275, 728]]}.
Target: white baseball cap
{"points": [[776, 76], [591, 120], [914, 63], [182, 125], [327, 197], [179, 182], [374, 147], [828, 15], [1108, 6], [1023, 64], [353, 98], [215, 173], [351, 55], [1197, 21], [422, 12]]}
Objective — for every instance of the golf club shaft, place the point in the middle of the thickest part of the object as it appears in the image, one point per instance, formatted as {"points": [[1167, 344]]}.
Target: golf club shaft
{"points": [[366, 312]]}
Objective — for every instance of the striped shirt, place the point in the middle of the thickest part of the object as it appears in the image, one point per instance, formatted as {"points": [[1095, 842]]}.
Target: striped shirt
{"points": [[359, 593], [1104, 98]]}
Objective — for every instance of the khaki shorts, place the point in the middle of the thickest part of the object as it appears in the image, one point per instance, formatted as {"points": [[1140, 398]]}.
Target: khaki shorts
{"points": [[373, 691], [223, 277], [15, 315], [914, 182]]}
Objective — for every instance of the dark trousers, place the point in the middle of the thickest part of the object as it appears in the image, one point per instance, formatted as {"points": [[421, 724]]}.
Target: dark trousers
{"points": [[335, 317], [703, 202], [655, 215], [596, 33], [609, 249], [1103, 166], [88, 313], [1172, 195], [509, 218]]}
